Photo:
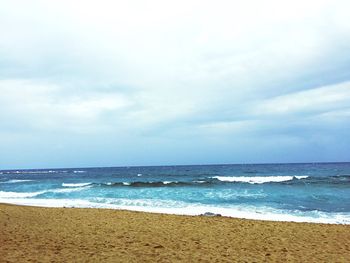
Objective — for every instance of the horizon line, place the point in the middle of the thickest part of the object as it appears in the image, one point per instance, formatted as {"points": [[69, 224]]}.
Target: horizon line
{"points": [[169, 165]]}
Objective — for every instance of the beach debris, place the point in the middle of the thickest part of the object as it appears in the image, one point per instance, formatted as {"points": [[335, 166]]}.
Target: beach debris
{"points": [[210, 214], [158, 246]]}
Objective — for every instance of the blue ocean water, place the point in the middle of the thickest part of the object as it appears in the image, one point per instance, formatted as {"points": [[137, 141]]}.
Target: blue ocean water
{"points": [[313, 192]]}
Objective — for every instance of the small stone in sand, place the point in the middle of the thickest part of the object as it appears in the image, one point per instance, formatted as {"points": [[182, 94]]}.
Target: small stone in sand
{"points": [[210, 214]]}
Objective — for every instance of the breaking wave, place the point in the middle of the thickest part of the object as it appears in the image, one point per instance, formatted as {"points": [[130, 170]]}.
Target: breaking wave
{"points": [[75, 184], [68, 190], [146, 184], [258, 179], [16, 181], [4, 194], [34, 172], [210, 181]]}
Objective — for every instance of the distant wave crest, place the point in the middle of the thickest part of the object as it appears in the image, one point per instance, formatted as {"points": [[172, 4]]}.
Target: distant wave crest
{"points": [[258, 179], [75, 184], [4, 194], [68, 190], [34, 172], [208, 181], [16, 181], [147, 184]]}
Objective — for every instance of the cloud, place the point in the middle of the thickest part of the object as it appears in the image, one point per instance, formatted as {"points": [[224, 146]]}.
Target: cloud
{"points": [[175, 75], [34, 105], [316, 100]]}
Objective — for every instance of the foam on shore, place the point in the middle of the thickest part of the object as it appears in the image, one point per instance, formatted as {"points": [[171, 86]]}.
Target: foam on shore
{"points": [[263, 213]]}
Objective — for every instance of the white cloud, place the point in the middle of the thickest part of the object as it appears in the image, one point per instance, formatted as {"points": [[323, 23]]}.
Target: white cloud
{"points": [[184, 69], [29, 104], [321, 99]]}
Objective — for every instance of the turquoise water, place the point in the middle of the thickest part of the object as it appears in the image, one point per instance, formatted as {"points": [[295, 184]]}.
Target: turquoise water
{"points": [[317, 192]]}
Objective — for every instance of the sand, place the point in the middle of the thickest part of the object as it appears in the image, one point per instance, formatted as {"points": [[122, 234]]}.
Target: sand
{"points": [[101, 235]]}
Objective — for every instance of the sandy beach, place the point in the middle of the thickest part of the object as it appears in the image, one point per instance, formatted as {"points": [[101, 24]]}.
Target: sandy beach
{"points": [[101, 235]]}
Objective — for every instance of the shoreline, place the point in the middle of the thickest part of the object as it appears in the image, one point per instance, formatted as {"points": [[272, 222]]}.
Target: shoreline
{"points": [[87, 234], [193, 211]]}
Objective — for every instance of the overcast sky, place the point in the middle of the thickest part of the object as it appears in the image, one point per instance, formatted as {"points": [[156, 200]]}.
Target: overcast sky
{"points": [[114, 83]]}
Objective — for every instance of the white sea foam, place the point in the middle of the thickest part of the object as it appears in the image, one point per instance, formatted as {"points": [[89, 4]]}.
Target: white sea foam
{"points": [[139, 174], [126, 183], [181, 208], [230, 194], [200, 182], [170, 182], [257, 179], [75, 185], [68, 190], [16, 181], [4, 194], [301, 176], [34, 172], [49, 202], [159, 203], [78, 172]]}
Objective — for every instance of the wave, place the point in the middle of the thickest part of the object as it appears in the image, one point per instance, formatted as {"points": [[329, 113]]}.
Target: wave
{"points": [[4, 194], [200, 182], [68, 190], [215, 180], [34, 172], [182, 208], [258, 179], [147, 184], [16, 181], [75, 184], [219, 180], [336, 180]]}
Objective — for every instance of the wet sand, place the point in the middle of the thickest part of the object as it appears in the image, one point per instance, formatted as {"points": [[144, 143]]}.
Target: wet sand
{"points": [[101, 235]]}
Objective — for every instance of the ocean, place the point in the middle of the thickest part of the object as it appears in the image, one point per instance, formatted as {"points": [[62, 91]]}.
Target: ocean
{"points": [[310, 192]]}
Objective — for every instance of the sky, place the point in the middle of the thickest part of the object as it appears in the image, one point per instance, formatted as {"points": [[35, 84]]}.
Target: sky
{"points": [[119, 83]]}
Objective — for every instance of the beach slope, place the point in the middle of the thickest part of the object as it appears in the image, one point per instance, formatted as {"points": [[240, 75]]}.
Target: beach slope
{"points": [[102, 235]]}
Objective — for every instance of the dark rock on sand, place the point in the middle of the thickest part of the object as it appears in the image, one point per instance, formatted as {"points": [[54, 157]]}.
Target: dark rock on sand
{"points": [[210, 214]]}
